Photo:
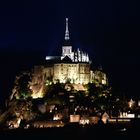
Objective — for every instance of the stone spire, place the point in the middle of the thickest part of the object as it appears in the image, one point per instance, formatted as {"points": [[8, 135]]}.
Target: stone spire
{"points": [[67, 31]]}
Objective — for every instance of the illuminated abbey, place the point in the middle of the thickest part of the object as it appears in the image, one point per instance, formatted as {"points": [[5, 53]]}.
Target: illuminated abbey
{"points": [[72, 66], [63, 90]]}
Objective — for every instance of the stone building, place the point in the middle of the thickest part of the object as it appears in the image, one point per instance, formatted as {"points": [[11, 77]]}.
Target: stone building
{"points": [[73, 66]]}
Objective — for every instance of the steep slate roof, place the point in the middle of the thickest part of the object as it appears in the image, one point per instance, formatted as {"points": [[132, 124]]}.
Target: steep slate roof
{"points": [[66, 59]]}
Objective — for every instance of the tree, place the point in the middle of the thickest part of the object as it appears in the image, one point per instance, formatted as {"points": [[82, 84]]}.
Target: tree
{"points": [[23, 90]]}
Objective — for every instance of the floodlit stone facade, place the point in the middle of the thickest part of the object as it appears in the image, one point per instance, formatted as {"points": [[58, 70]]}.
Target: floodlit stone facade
{"points": [[72, 72], [70, 67]]}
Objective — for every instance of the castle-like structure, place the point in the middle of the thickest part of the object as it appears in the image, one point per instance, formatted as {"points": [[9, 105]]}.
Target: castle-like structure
{"points": [[72, 66]]}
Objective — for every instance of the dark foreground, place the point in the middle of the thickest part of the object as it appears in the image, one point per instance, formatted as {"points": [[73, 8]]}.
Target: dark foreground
{"points": [[108, 132]]}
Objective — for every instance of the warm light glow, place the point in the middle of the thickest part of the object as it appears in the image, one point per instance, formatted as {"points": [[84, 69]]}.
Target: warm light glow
{"points": [[126, 115], [37, 95], [104, 82], [131, 103], [138, 103], [131, 116], [114, 120], [57, 116], [84, 121], [74, 118], [14, 124], [105, 118], [48, 83], [46, 124], [123, 115], [19, 120]]}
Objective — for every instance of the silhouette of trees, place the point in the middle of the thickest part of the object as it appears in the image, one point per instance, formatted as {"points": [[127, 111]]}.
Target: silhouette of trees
{"points": [[23, 90]]}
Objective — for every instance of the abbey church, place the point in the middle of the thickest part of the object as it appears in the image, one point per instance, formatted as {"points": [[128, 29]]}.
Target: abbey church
{"points": [[73, 66]]}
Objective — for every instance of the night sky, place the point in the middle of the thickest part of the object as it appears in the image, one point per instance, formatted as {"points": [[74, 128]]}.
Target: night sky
{"points": [[109, 30]]}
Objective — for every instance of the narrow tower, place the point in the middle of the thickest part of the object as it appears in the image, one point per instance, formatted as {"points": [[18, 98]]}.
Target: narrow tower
{"points": [[67, 30], [67, 48]]}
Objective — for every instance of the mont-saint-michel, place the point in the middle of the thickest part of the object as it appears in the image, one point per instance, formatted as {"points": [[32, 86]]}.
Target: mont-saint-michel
{"points": [[66, 90]]}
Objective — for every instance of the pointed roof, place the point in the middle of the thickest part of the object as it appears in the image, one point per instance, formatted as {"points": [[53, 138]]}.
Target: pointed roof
{"points": [[66, 59], [67, 30], [67, 37]]}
